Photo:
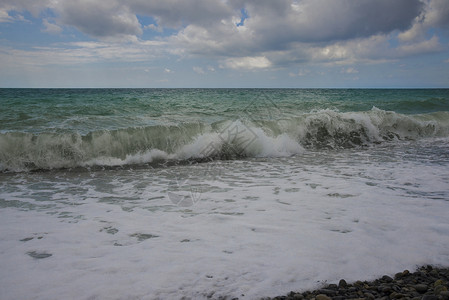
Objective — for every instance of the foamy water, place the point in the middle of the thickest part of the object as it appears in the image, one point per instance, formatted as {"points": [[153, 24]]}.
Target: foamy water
{"points": [[256, 227], [286, 205]]}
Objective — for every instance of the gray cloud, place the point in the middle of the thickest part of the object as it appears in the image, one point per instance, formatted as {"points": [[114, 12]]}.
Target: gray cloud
{"points": [[290, 32], [271, 23], [276, 24], [276, 33], [99, 18], [34, 7], [177, 13]]}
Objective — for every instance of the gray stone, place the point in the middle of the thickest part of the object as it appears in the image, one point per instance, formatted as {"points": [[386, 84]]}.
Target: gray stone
{"points": [[327, 292], [385, 289], [421, 288], [429, 297], [444, 295], [26, 239], [143, 236], [322, 297], [439, 288], [298, 296], [396, 295], [39, 255], [438, 282], [342, 283]]}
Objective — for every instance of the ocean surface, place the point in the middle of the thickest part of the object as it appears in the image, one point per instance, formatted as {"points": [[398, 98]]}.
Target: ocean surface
{"points": [[203, 193]]}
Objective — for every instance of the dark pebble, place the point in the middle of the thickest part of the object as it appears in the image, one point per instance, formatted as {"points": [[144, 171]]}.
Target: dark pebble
{"points": [[385, 289], [426, 283], [342, 283], [439, 288], [421, 288], [298, 297], [39, 255], [395, 295], [328, 292], [429, 297]]}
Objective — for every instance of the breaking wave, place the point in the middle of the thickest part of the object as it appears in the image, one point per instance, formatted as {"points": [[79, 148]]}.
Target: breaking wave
{"points": [[229, 139]]}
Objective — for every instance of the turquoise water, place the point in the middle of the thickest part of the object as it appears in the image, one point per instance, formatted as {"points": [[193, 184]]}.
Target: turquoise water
{"points": [[209, 193], [85, 110], [66, 128]]}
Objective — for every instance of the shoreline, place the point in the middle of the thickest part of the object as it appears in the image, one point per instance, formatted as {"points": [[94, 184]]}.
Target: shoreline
{"points": [[426, 283]]}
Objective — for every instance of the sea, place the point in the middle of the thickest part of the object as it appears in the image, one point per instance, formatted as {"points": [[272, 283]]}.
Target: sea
{"points": [[218, 193]]}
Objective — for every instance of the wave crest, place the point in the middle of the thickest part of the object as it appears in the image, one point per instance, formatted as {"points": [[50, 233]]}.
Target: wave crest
{"points": [[228, 139]]}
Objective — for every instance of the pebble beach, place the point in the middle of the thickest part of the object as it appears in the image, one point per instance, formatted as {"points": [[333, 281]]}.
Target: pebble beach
{"points": [[426, 283]]}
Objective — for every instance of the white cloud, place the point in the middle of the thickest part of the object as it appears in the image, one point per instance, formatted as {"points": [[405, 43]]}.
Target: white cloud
{"points": [[427, 46], [51, 27], [301, 73], [349, 71], [34, 7], [199, 70], [154, 28], [78, 53], [274, 33], [258, 62], [179, 13], [203, 71], [4, 16], [375, 49], [416, 32], [437, 13], [434, 14]]}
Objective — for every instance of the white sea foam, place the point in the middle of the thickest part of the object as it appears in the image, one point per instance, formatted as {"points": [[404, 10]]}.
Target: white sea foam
{"points": [[261, 227]]}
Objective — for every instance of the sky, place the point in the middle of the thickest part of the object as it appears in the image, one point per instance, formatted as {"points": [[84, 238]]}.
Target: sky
{"points": [[224, 43]]}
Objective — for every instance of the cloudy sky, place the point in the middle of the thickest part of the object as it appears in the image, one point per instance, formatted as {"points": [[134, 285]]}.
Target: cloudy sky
{"points": [[224, 43]]}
